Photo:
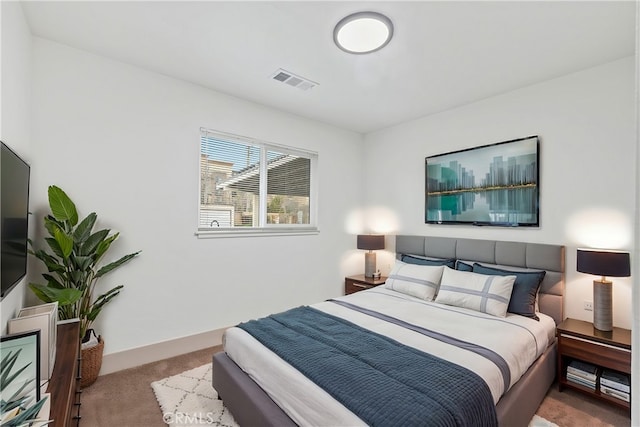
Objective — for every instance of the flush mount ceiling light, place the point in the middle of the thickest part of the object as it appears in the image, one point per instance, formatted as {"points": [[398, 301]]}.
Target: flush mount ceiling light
{"points": [[363, 32]]}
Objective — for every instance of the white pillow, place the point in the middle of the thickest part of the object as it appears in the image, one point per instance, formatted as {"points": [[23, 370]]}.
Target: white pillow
{"points": [[479, 292], [420, 281]]}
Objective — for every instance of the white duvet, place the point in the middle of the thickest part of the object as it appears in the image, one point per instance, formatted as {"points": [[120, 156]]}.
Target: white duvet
{"points": [[517, 339]]}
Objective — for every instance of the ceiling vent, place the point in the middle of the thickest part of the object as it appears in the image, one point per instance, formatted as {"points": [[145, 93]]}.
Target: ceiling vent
{"points": [[291, 79]]}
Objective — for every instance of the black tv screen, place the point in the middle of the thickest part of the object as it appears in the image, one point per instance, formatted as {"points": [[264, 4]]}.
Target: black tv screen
{"points": [[496, 184], [14, 212]]}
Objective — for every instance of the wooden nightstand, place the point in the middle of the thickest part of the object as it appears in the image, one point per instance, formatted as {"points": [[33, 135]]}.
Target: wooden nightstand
{"points": [[581, 341], [360, 282]]}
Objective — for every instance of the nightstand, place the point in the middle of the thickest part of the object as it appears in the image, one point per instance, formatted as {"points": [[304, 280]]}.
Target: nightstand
{"points": [[360, 282], [579, 340]]}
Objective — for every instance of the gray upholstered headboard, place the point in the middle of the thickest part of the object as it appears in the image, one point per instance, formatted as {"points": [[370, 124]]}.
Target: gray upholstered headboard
{"points": [[519, 255]]}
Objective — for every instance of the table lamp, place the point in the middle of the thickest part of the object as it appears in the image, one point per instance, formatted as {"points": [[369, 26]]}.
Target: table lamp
{"points": [[603, 263], [370, 242]]}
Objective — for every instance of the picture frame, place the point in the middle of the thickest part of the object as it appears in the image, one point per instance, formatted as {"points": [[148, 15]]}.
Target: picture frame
{"points": [[25, 348], [43, 317], [490, 185]]}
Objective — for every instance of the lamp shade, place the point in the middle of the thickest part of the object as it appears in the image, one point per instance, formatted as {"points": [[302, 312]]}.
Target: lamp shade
{"points": [[370, 241], [604, 263]]}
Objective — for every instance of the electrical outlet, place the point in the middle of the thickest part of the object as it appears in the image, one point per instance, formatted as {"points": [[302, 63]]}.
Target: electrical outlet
{"points": [[588, 306]]}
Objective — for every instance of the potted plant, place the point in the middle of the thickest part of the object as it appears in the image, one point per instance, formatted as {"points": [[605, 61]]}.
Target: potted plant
{"points": [[74, 268]]}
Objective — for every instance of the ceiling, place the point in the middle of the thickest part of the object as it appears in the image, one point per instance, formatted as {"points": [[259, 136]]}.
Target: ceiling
{"points": [[443, 53]]}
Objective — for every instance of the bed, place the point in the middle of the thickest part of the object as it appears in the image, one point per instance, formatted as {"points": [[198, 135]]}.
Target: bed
{"points": [[260, 388]]}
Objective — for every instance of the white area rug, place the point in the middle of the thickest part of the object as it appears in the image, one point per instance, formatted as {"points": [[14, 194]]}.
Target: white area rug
{"points": [[537, 421], [189, 399]]}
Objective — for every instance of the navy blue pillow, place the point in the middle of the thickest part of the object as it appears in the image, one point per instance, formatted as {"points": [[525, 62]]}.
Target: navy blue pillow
{"points": [[463, 266], [427, 261], [525, 288]]}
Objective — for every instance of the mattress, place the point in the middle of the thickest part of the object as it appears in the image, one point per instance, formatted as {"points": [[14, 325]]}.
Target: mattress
{"points": [[518, 341]]}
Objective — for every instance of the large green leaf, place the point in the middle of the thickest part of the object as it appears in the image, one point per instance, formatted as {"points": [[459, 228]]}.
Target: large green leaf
{"points": [[38, 291], [104, 246], [107, 268], [65, 243], [83, 230], [51, 225], [54, 246], [82, 263], [52, 282], [61, 206], [52, 263], [64, 296], [92, 242], [100, 302], [77, 278]]}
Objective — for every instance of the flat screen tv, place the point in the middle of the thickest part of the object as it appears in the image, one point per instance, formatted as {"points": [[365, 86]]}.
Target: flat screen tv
{"points": [[14, 213], [495, 185]]}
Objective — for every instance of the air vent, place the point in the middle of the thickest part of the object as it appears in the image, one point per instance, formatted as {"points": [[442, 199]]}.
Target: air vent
{"points": [[291, 79]]}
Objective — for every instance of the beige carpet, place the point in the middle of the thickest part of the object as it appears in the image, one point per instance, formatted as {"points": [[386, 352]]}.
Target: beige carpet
{"points": [[125, 399], [570, 408]]}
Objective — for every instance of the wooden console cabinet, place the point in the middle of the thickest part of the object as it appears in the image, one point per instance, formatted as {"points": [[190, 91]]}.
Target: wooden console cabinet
{"points": [[64, 384]]}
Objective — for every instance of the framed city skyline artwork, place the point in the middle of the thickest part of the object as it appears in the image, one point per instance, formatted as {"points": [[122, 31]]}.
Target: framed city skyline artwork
{"points": [[494, 185]]}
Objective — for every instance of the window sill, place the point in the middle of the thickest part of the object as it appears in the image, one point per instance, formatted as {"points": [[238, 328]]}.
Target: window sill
{"points": [[256, 232]]}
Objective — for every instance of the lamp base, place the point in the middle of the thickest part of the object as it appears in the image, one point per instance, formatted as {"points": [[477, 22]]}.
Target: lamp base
{"points": [[603, 305], [369, 264]]}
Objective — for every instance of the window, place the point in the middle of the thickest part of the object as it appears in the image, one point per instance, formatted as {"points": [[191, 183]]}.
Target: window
{"points": [[253, 187]]}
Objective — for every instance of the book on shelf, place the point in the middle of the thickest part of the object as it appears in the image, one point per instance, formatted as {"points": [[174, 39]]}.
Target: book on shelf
{"points": [[615, 380], [583, 375], [583, 369], [581, 381], [578, 378], [608, 391]]}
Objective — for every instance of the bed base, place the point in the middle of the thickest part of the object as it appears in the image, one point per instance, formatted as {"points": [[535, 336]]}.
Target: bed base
{"points": [[248, 403], [251, 406]]}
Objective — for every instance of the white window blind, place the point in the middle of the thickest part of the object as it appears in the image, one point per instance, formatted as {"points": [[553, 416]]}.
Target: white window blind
{"points": [[248, 185]]}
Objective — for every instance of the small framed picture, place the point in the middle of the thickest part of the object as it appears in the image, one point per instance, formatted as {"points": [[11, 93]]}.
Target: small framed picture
{"points": [[20, 355]]}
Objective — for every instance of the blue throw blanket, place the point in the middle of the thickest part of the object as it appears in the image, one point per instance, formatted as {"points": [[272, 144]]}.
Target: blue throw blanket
{"points": [[383, 382]]}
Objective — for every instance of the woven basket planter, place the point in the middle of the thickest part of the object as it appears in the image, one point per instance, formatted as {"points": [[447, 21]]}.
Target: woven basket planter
{"points": [[91, 364]]}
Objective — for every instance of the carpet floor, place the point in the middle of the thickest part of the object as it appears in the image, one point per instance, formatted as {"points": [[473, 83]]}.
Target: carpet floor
{"points": [[126, 398]]}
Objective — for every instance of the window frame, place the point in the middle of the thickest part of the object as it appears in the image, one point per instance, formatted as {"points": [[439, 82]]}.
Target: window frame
{"points": [[263, 228]]}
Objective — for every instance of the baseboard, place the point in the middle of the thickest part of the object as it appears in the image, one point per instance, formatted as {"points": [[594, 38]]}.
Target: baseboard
{"points": [[151, 353]]}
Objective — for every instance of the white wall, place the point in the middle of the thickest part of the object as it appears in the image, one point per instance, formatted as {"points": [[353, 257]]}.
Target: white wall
{"points": [[14, 113], [588, 169], [124, 143]]}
